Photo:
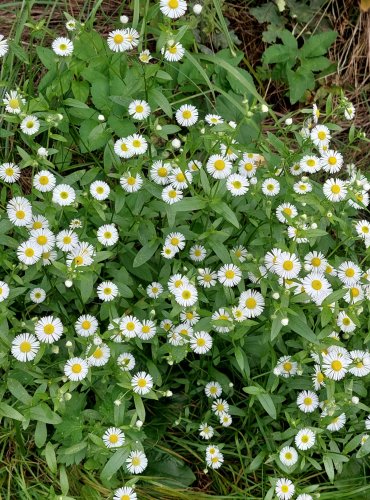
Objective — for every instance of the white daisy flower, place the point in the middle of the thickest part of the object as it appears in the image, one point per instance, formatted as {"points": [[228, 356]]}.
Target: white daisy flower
{"points": [[334, 190], [37, 295], [218, 167], [229, 152], [239, 252], [239, 313], [296, 169], [305, 439], [189, 317], [44, 181], [221, 316], [226, 420], [270, 187], [44, 238], [29, 253], [206, 431], [30, 125], [126, 361], [176, 240], [25, 347], [141, 383], [9, 172], [302, 187], [145, 56], [76, 369], [331, 161], [86, 325], [315, 261], [173, 8], [113, 437], [123, 148], [176, 281], [125, 493], [99, 356], [38, 222], [139, 110], [213, 119], [48, 329], [284, 489], [207, 278], [335, 364], [99, 190], [154, 290], [174, 52], [118, 41], [19, 211], [129, 326], [320, 135], [360, 363], [345, 323], [247, 166], [197, 253], [354, 294], [4, 47], [237, 184], [252, 302], [215, 461], [131, 183], [349, 273], [200, 342], [147, 330], [287, 265], [4, 291], [337, 423], [71, 25], [107, 235], [187, 115], [213, 390], [307, 401], [186, 295], [66, 240], [137, 143], [316, 286], [288, 456], [310, 164], [349, 111], [318, 378], [136, 462], [229, 275], [169, 251], [63, 195], [107, 291], [220, 406], [285, 367], [81, 254], [62, 46], [159, 172], [285, 212], [171, 195]]}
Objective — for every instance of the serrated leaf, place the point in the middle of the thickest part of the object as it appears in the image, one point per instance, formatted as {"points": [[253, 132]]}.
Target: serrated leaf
{"points": [[318, 45]]}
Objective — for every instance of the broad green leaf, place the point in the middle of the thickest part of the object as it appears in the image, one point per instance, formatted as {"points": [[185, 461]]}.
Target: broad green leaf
{"points": [[139, 406], [145, 253], [10, 412], [43, 413], [116, 461], [329, 467], [161, 101], [86, 285], [63, 480], [299, 81], [18, 391], [47, 57], [318, 45], [222, 209], [278, 53], [40, 434], [298, 326], [51, 458], [268, 404]]}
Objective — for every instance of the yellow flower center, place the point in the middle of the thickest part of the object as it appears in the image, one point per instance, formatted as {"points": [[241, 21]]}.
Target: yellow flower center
{"points": [[288, 211], [355, 292], [49, 329], [78, 260], [86, 324], [335, 189], [20, 214], [219, 164], [336, 365], [311, 163], [9, 171], [63, 46], [285, 488], [107, 235], [307, 401], [30, 252], [332, 160], [64, 195], [321, 135], [76, 368], [287, 366], [124, 147], [250, 303], [139, 108], [201, 342], [180, 177], [186, 294], [118, 39], [173, 4], [145, 329], [162, 172], [288, 455], [130, 326], [131, 181], [305, 438], [135, 461], [350, 272], [186, 114], [136, 143], [320, 377], [29, 124], [14, 103], [42, 240], [237, 184], [107, 291], [270, 187], [172, 193], [67, 240], [37, 225], [346, 321], [113, 438], [316, 284], [25, 346], [229, 274], [100, 190], [175, 241], [98, 353], [173, 50], [315, 262], [288, 265], [141, 382]]}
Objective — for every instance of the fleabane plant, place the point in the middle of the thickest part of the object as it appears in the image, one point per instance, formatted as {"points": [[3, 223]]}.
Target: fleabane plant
{"points": [[158, 253]]}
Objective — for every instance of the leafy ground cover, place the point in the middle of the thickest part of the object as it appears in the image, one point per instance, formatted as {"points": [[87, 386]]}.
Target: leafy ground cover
{"points": [[184, 294]]}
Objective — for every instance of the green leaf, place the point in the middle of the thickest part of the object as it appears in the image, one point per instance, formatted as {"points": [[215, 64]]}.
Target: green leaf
{"points": [[364, 450], [114, 463], [40, 434], [18, 391], [334, 297], [329, 467], [161, 101], [276, 327], [289, 40], [253, 390], [63, 479], [145, 253], [278, 53], [139, 406], [298, 326], [43, 413], [86, 285], [50, 457], [222, 209], [46, 56], [317, 45], [299, 81], [10, 412], [268, 404], [19, 52]]}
